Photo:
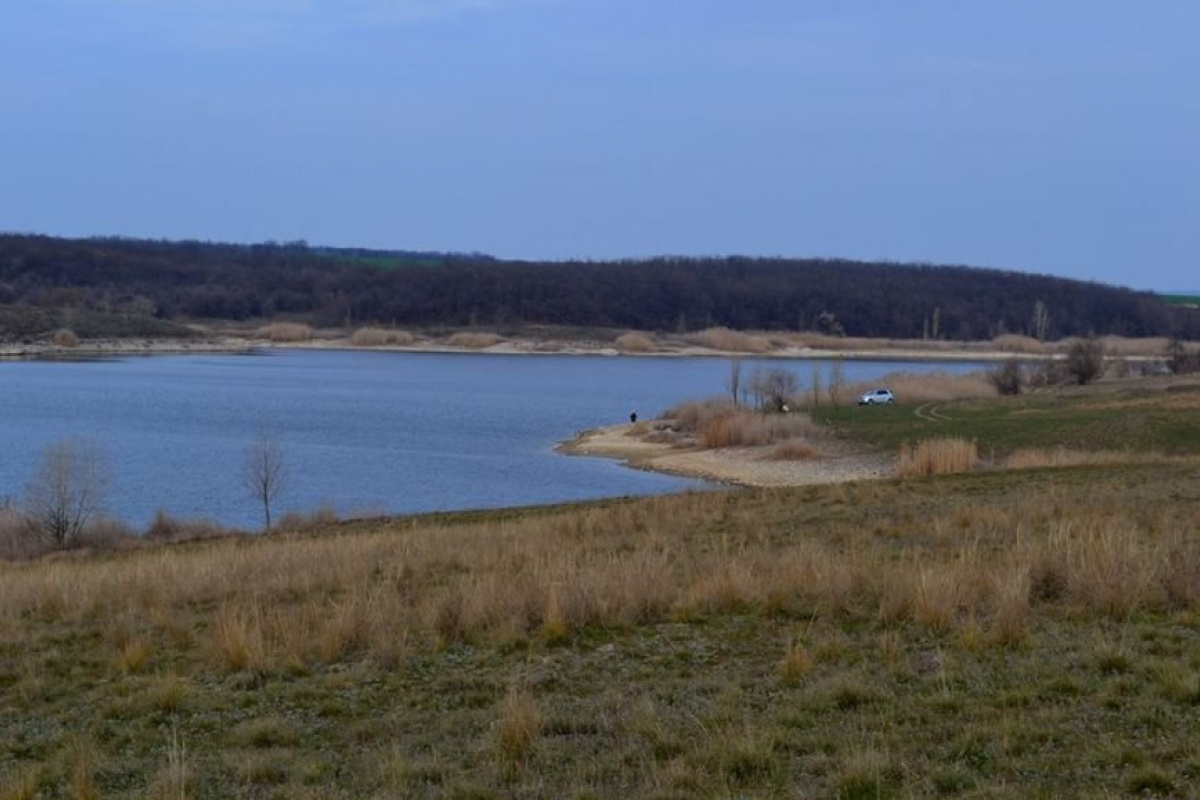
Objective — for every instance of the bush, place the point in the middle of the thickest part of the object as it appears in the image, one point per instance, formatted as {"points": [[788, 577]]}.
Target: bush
{"points": [[1085, 360], [1007, 377], [380, 337], [65, 337]]}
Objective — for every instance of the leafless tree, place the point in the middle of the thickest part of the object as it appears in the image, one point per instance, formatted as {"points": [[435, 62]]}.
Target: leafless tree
{"points": [[68, 488], [1041, 321], [773, 388], [1085, 360], [836, 384], [735, 380], [264, 473], [815, 389]]}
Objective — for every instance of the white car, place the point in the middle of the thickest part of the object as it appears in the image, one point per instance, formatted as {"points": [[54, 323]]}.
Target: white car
{"points": [[877, 396]]}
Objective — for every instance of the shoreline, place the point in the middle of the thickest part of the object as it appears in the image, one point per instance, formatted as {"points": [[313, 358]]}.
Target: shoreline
{"points": [[523, 346], [734, 466], [98, 348]]}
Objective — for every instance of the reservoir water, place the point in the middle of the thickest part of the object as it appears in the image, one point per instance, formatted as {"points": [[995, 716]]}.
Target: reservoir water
{"points": [[367, 432]]}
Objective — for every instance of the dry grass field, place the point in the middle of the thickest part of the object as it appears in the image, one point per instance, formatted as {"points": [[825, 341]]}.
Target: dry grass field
{"points": [[1017, 634]]}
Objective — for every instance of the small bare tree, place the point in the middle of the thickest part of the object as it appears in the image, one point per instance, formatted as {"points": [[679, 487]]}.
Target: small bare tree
{"points": [[264, 473], [1085, 360], [836, 384], [773, 388], [815, 388], [735, 380], [68, 488]]}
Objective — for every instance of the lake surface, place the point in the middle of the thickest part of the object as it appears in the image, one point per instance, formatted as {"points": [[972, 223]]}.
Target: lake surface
{"points": [[367, 432]]}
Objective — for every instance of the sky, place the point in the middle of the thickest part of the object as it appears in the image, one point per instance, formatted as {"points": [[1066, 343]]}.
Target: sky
{"points": [[1059, 137]]}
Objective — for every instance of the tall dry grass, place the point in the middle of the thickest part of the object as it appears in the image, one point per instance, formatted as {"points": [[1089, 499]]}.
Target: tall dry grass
{"points": [[1016, 343], [286, 332], [731, 341], [750, 429], [634, 342], [473, 340], [380, 591], [1040, 457], [381, 337], [933, 387], [936, 457]]}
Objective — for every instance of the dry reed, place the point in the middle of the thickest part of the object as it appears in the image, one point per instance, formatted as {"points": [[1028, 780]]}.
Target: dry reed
{"points": [[381, 337], [731, 341], [750, 429], [936, 457], [286, 332], [65, 337], [473, 340], [633, 342], [1016, 343]]}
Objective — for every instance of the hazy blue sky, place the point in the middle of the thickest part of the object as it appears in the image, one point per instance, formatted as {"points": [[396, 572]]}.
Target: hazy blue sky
{"points": [[1060, 136]]}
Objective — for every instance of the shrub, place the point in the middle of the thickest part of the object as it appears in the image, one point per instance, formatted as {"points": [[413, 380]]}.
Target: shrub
{"points": [[381, 337], [286, 332], [475, 340], [1085, 360], [936, 457], [65, 338], [635, 343], [732, 341], [1007, 377]]}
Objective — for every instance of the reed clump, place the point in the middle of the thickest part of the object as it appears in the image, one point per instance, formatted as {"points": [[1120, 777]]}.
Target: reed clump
{"points": [[753, 429], [732, 341], [634, 342], [65, 337], [381, 337], [1017, 343], [286, 332], [936, 457], [474, 340]]}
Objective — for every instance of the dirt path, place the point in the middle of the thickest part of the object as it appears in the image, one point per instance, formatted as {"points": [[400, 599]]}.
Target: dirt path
{"points": [[741, 466]]}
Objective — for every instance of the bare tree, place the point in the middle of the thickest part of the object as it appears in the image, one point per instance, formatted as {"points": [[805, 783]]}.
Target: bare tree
{"points": [[1085, 360], [735, 380], [773, 388], [264, 473], [835, 384], [815, 389], [68, 488], [1041, 321]]}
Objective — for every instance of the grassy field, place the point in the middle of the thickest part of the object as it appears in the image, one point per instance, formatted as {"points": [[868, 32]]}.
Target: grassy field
{"points": [[1002, 633], [1158, 415], [1182, 299]]}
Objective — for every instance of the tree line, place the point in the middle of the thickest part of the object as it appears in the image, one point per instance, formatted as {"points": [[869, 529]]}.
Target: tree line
{"points": [[135, 281]]}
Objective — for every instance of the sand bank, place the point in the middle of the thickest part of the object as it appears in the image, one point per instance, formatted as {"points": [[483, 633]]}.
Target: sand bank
{"points": [[740, 466]]}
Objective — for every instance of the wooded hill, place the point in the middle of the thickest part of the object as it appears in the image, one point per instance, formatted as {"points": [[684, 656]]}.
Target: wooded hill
{"points": [[139, 285]]}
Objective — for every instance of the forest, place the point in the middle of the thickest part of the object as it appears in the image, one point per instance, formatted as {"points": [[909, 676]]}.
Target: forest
{"points": [[146, 287]]}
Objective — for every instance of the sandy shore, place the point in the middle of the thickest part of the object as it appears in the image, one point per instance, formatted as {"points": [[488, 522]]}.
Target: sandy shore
{"points": [[124, 347], [535, 347], [740, 466]]}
